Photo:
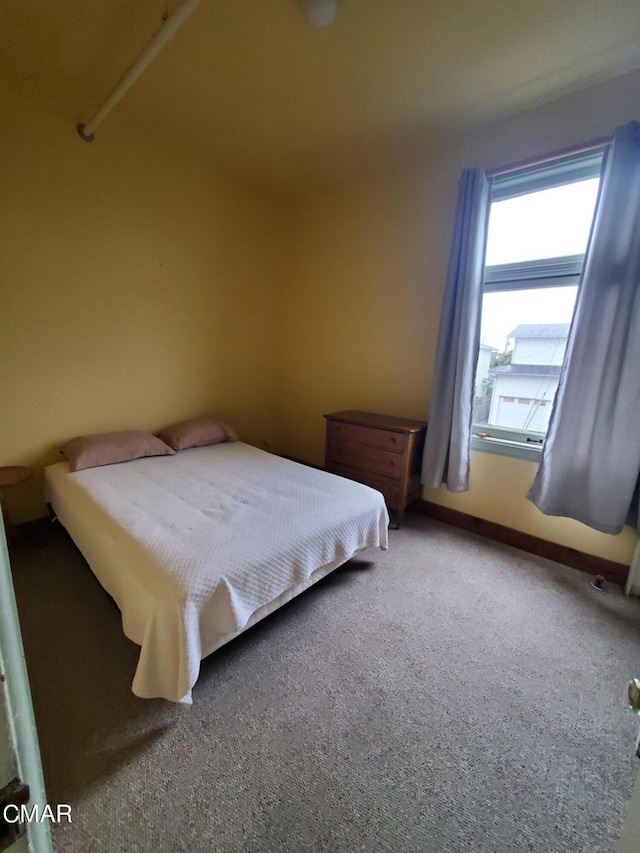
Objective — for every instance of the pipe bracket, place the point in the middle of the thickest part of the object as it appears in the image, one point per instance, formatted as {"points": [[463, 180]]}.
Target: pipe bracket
{"points": [[87, 137]]}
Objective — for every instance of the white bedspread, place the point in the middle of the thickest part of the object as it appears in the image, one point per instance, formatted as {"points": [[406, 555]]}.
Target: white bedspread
{"points": [[196, 547]]}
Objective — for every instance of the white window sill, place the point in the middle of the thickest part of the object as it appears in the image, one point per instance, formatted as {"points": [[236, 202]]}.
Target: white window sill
{"points": [[504, 447]]}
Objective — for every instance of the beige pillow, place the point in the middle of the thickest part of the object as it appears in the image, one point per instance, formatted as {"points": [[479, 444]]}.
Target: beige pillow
{"points": [[90, 451], [198, 433]]}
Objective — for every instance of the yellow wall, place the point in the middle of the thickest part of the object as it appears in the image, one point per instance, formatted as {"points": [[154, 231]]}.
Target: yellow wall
{"points": [[137, 288], [364, 300]]}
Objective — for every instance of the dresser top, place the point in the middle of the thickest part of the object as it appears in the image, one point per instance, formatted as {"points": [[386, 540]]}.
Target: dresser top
{"points": [[377, 421]]}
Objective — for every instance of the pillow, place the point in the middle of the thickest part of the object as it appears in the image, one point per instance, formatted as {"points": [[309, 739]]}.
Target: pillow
{"points": [[90, 451], [198, 433]]}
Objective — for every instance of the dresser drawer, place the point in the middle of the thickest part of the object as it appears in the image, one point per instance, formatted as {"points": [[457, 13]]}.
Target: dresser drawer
{"points": [[389, 488], [369, 436], [369, 458]]}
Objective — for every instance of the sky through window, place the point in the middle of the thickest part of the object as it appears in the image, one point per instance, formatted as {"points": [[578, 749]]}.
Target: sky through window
{"points": [[545, 224]]}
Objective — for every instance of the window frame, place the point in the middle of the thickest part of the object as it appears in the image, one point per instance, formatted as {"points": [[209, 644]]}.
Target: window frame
{"points": [[561, 271]]}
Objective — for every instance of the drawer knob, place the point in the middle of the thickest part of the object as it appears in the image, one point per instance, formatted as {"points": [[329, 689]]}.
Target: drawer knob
{"points": [[393, 439]]}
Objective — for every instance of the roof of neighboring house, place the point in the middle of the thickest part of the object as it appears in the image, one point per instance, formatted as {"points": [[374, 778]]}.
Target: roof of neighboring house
{"points": [[541, 330], [528, 369]]}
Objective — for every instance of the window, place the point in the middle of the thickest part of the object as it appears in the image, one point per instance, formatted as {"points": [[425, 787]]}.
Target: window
{"points": [[539, 225]]}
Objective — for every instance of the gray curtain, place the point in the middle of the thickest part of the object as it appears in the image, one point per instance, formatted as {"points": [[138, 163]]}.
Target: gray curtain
{"points": [[591, 457], [447, 448]]}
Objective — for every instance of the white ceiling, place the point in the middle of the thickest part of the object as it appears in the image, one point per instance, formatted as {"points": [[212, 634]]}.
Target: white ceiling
{"points": [[269, 97]]}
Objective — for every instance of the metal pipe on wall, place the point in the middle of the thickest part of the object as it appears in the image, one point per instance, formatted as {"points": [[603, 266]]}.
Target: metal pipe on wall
{"points": [[168, 31]]}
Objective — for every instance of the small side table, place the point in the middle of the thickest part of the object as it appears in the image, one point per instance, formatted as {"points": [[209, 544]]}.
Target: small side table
{"points": [[12, 475]]}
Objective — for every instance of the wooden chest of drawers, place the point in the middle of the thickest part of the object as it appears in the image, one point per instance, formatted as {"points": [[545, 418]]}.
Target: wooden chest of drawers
{"points": [[380, 451]]}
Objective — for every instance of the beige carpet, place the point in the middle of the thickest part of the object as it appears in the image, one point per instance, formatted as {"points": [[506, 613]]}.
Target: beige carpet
{"points": [[449, 695]]}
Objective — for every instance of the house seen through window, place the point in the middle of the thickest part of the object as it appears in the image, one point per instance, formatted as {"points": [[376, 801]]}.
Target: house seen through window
{"points": [[539, 225]]}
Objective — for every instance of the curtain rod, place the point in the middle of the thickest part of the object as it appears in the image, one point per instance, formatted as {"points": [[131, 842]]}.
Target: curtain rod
{"points": [[547, 158]]}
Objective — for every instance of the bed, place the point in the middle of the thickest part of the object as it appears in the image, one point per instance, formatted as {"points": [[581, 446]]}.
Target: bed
{"points": [[196, 548]]}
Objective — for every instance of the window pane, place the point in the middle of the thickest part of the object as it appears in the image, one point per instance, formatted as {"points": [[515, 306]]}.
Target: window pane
{"points": [[524, 336], [545, 224]]}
